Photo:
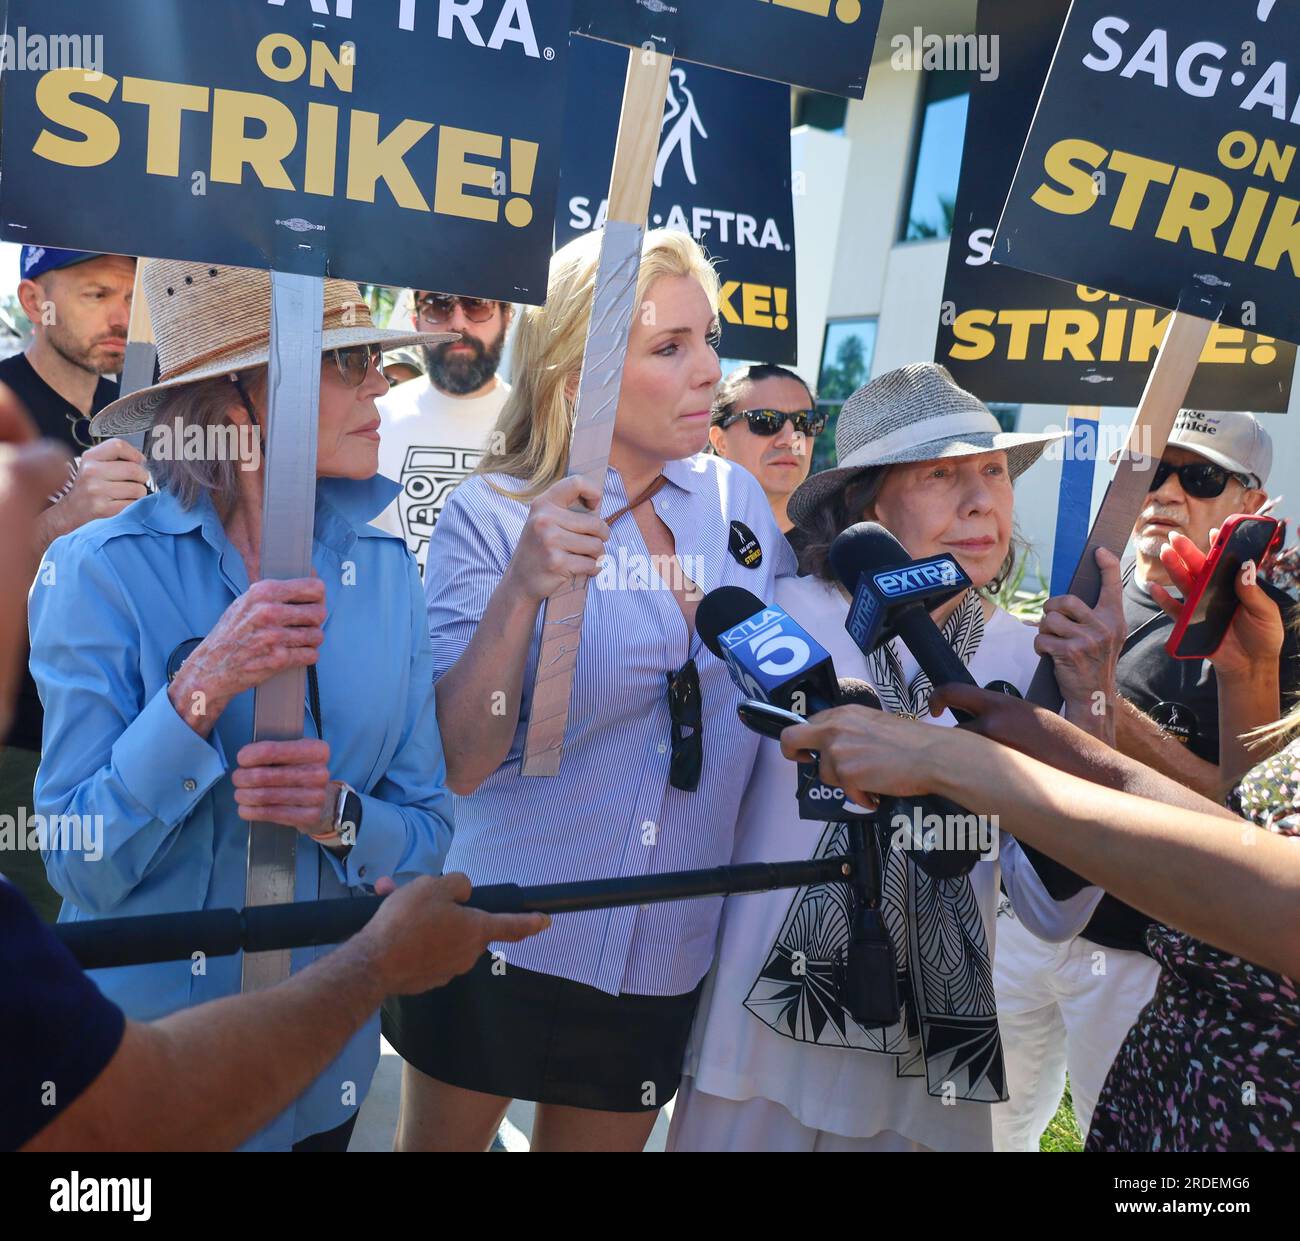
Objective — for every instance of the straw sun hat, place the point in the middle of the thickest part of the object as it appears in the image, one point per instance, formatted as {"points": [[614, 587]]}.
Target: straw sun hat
{"points": [[916, 413], [212, 321]]}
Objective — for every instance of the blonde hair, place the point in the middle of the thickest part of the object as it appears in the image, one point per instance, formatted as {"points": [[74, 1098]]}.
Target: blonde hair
{"points": [[531, 438]]}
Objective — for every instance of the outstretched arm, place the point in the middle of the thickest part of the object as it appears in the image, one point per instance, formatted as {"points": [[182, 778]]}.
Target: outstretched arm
{"points": [[1224, 881]]}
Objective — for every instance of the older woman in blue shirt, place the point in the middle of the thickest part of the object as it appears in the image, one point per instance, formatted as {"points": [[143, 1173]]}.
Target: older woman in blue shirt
{"points": [[150, 630]]}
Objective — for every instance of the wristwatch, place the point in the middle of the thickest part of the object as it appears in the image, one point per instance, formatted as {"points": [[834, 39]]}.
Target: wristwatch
{"points": [[346, 824]]}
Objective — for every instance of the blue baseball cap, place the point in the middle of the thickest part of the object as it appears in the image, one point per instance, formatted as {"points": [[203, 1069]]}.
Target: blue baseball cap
{"points": [[37, 260]]}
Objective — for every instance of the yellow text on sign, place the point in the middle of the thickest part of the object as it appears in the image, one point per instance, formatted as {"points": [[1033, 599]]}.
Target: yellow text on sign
{"points": [[1197, 207], [761, 305], [1117, 334], [281, 151]]}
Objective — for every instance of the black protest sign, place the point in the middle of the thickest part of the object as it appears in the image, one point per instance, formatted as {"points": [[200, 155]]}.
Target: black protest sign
{"points": [[1013, 336], [402, 148], [1161, 164], [825, 45], [722, 175]]}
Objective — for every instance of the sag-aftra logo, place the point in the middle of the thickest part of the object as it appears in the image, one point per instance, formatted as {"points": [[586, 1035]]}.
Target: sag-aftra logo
{"points": [[846, 11], [484, 23]]}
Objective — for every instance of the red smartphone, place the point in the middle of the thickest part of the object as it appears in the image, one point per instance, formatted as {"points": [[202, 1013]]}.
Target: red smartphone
{"points": [[1212, 601]]}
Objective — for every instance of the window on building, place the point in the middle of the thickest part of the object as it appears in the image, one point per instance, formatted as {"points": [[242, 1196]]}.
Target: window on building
{"points": [[933, 192], [846, 366], [1007, 415], [821, 111]]}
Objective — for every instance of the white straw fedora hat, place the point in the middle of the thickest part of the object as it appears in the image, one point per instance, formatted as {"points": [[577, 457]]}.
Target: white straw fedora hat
{"points": [[212, 321], [916, 413]]}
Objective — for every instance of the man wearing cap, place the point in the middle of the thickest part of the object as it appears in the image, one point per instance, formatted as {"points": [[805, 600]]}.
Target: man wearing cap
{"points": [[1070, 1005], [1216, 464], [79, 305]]}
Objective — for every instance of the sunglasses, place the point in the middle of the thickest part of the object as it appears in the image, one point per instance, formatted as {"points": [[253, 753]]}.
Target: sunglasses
{"points": [[354, 363], [439, 307], [768, 422], [686, 708], [1202, 480]]}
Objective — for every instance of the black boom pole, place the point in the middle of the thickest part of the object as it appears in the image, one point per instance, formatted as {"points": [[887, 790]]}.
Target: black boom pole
{"points": [[146, 940]]}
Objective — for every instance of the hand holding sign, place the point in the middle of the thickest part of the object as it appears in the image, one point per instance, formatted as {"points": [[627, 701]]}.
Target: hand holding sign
{"points": [[560, 544]]}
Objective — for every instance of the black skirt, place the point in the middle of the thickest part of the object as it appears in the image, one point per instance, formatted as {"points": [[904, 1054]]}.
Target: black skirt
{"points": [[523, 1035]]}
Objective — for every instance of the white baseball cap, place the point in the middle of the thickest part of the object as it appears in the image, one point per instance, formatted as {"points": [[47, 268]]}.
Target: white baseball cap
{"points": [[1235, 441]]}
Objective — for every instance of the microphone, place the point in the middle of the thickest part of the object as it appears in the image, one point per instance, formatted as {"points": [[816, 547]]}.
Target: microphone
{"points": [[824, 802], [892, 594], [769, 655]]}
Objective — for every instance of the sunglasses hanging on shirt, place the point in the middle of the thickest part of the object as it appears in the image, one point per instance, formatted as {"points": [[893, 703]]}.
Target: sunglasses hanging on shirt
{"points": [[686, 710]]}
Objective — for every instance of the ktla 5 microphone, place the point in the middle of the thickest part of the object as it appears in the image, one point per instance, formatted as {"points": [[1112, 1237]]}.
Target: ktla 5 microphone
{"points": [[769, 655], [891, 597]]}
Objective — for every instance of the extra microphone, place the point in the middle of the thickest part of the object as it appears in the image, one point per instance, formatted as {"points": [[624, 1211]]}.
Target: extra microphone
{"points": [[892, 595], [769, 655]]}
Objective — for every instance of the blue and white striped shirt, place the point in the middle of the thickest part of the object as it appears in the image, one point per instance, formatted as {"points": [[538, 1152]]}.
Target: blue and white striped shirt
{"points": [[611, 811]]}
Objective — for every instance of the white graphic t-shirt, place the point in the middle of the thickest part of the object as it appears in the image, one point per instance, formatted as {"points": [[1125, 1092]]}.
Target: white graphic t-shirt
{"points": [[428, 443]]}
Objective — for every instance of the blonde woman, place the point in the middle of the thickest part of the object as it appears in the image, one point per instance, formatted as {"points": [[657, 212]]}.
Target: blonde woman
{"points": [[591, 1021]]}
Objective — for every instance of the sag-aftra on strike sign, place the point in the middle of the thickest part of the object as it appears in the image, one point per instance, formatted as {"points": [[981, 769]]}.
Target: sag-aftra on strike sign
{"points": [[417, 143], [825, 45], [1161, 164]]}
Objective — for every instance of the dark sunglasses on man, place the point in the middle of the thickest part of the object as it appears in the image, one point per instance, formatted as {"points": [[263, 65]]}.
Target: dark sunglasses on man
{"points": [[438, 308], [686, 710], [768, 422], [1202, 480]]}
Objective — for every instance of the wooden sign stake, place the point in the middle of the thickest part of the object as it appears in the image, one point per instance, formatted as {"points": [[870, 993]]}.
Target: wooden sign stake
{"points": [[288, 527], [141, 352], [1166, 390], [613, 305]]}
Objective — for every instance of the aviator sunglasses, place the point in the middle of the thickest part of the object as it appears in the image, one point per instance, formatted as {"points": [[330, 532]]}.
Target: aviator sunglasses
{"points": [[439, 307]]}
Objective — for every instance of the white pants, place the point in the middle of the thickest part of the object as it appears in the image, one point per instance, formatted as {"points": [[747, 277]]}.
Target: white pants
{"points": [[705, 1122], [1060, 1006]]}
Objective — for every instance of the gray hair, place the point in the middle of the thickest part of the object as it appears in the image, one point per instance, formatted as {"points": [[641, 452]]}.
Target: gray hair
{"points": [[199, 414]]}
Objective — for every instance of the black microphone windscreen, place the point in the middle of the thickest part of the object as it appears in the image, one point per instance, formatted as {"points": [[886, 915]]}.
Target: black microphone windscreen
{"points": [[868, 545], [856, 693], [724, 609]]}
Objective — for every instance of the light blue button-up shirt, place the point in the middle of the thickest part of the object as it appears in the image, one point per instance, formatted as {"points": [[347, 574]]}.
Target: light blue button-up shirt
{"points": [[110, 604], [611, 810]]}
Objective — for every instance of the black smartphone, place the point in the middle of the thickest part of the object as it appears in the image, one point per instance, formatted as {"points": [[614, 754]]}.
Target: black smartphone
{"points": [[765, 719], [1212, 601]]}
